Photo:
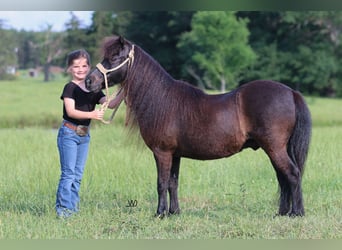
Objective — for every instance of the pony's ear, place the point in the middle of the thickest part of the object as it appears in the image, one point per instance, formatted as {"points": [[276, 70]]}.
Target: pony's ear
{"points": [[121, 40]]}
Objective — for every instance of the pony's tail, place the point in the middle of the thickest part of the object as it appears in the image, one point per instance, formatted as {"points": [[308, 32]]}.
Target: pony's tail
{"points": [[298, 145]]}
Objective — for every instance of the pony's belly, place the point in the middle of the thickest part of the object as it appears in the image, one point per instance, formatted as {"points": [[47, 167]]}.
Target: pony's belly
{"points": [[207, 151], [204, 156]]}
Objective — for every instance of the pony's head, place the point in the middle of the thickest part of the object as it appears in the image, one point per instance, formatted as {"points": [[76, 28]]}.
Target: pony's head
{"points": [[118, 56]]}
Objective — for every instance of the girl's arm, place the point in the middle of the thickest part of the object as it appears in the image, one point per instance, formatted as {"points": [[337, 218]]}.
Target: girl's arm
{"points": [[77, 114]]}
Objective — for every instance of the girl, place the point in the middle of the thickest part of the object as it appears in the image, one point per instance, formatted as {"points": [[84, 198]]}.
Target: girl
{"points": [[73, 135]]}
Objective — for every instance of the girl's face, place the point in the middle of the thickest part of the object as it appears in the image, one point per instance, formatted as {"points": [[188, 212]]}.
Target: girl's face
{"points": [[79, 69]]}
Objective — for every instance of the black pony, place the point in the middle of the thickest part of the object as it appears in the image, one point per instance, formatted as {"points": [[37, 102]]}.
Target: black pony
{"points": [[178, 120]]}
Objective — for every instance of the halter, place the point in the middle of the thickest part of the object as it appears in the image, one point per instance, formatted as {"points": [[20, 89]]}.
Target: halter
{"points": [[104, 72]]}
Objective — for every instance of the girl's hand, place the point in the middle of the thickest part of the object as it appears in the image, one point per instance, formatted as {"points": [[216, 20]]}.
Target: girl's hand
{"points": [[97, 114]]}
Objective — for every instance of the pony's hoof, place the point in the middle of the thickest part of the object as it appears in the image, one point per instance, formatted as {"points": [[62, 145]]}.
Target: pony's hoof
{"points": [[160, 216], [296, 214], [175, 212]]}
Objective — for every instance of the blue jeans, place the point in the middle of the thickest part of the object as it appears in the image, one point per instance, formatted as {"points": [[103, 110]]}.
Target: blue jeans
{"points": [[73, 152]]}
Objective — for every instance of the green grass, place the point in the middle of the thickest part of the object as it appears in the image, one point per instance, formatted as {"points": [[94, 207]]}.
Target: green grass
{"points": [[229, 198], [232, 198], [325, 112], [31, 102]]}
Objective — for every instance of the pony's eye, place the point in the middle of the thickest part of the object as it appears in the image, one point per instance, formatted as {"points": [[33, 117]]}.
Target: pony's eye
{"points": [[116, 60]]}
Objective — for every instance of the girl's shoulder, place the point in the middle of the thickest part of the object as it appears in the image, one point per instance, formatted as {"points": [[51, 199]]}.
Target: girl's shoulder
{"points": [[68, 90], [70, 84]]}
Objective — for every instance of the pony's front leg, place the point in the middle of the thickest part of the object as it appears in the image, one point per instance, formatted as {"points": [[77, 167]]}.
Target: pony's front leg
{"points": [[173, 186], [163, 162]]}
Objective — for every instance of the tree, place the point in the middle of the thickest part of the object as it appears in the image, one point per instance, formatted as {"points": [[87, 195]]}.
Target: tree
{"points": [[49, 48], [218, 46], [26, 53], [77, 35], [8, 51], [300, 49], [157, 32], [101, 27]]}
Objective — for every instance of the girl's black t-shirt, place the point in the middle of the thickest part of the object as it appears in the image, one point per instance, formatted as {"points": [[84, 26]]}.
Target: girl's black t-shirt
{"points": [[84, 101]]}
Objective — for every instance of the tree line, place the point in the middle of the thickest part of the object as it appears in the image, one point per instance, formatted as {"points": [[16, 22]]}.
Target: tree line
{"points": [[211, 49]]}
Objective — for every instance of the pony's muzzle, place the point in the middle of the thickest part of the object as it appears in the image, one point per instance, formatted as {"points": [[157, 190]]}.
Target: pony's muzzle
{"points": [[93, 82]]}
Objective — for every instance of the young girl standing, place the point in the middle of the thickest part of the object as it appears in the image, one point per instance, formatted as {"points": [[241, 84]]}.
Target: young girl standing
{"points": [[73, 135]]}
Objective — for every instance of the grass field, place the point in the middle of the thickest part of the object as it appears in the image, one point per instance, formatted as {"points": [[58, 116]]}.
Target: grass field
{"points": [[232, 198]]}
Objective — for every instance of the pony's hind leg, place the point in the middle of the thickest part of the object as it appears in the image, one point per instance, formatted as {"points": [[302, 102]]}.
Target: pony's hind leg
{"points": [[285, 193], [289, 178], [173, 186]]}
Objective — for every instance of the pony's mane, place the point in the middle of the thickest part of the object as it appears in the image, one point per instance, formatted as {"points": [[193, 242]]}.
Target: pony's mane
{"points": [[156, 94]]}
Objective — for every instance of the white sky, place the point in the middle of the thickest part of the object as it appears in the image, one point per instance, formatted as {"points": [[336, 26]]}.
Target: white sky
{"points": [[39, 20]]}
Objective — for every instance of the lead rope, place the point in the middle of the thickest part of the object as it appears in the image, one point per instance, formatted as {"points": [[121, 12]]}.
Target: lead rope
{"points": [[104, 106], [120, 93]]}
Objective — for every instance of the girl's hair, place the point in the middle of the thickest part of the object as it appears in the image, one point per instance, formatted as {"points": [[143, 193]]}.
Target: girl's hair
{"points": [[76, 54]]}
